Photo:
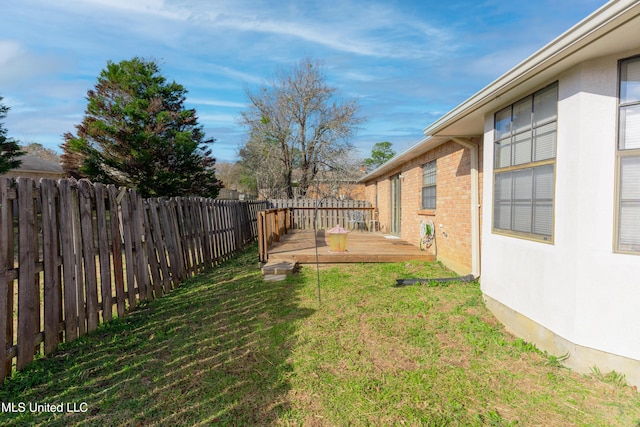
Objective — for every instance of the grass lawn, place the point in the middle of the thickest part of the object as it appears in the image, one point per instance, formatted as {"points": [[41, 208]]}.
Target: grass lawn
{"points": [[226, 348]]}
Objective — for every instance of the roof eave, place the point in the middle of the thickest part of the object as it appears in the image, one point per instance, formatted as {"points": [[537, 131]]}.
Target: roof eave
{"points": [[421, 146]]}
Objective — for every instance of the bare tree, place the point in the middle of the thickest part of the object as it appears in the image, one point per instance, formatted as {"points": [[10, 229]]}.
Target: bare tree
{"points": [[301, 123], [231, 176], [262, 169], [340, 180]]}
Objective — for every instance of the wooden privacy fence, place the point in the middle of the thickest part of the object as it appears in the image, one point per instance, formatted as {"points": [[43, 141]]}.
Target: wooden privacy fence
{"points": [[75, 254], [300, 214], [329, 214]]}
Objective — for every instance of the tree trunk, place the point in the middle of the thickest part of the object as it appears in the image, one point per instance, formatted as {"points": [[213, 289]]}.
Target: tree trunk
{"points": [[288, 178]]}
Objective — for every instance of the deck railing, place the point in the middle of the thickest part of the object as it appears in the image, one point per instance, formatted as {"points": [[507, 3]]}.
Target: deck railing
{"points": [[272, 223]]}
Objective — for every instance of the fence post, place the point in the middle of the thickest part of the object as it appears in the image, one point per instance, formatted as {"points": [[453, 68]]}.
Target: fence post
{"points": [[261, 237]]}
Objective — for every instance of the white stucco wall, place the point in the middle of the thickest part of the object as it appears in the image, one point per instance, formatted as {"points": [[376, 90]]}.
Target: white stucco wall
{"points": [[577, 287]]}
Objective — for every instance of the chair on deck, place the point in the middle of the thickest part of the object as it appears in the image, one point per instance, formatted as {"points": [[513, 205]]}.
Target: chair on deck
{"points": [[356, 218], [374, 222]]}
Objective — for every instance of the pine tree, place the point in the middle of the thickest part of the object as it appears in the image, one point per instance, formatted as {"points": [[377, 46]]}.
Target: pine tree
{"points": [[137, 133], [9, 148]]}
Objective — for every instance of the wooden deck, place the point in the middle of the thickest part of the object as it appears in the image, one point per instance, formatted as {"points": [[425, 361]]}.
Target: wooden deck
{"points": [[362, 246]]}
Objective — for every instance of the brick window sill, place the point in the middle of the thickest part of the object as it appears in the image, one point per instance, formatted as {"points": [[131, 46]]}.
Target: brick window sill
{"points": [[428, 212]]}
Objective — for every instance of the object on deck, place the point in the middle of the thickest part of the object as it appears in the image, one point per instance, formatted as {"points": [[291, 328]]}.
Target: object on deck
{"points": [[356, 219], [338, 239]]}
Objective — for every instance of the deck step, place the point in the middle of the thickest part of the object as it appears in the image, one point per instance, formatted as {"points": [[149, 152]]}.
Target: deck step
{"points": [[277, 270]]}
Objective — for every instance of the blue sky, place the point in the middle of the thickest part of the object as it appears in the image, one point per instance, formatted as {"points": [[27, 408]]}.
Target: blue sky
{"points": [[407, 62]]}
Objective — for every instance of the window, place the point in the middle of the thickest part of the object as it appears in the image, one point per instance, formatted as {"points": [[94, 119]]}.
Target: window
{"points": [[429, 185], [524, 165], [628, 158]]}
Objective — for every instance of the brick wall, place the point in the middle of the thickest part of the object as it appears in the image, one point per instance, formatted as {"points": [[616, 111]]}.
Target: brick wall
{"points": [[452, 216]]}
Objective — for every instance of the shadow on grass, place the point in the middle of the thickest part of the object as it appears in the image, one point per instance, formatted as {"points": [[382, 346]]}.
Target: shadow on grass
{"points": [[215, 351]]}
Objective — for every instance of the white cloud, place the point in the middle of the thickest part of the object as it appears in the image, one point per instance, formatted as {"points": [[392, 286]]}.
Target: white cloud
{"points": [[148, 8], [207, 119], [499, 62], [18, 64], [11, 102], [235, 74], [369, 29], [216, 103], [364, 29], [360, 76]]}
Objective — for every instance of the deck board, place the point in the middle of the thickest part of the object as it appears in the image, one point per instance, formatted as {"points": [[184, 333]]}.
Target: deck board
{"points": [[298, 245]]}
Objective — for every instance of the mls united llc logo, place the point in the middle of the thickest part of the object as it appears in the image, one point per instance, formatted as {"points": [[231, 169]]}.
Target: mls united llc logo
{"points": [[42, 407]]}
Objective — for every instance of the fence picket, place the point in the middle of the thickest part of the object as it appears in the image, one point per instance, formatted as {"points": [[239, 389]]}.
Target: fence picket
{"points": [[159, 246], [128, 250], [221, 230], [116, 249], [106, 294], [197, 225], [206, 228], [172, 248], [11, 314], [182, 236], [141, 269], [28, 295], [89, 255], [52, 312], [200, 235], [68, 262], [6, 310], [152, 256], [77, 266]]}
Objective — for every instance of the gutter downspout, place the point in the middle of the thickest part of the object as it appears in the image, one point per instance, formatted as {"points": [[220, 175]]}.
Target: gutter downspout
{"points": [[475, 205]]}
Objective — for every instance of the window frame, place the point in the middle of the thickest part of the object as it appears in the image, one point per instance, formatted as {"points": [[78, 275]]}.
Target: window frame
{"points": [[503, 137], [621, 154], [428, 173]]}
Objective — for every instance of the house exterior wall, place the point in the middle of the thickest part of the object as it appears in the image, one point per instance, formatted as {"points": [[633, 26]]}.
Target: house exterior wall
{"points": [[383, 194], [452, 216], [575, 295]]}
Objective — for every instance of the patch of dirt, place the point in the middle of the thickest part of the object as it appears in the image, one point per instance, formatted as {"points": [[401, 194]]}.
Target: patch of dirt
{"points": [[385, 353], [307, 403], [453, 351]]}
